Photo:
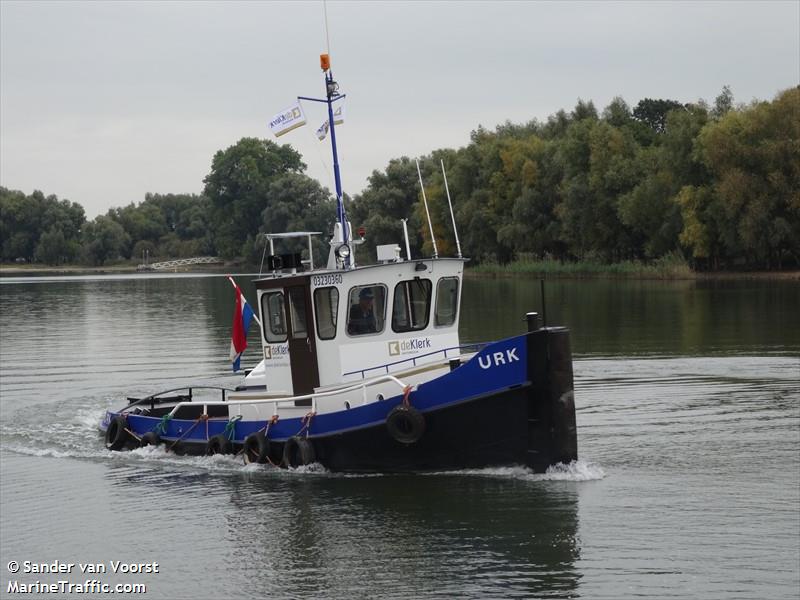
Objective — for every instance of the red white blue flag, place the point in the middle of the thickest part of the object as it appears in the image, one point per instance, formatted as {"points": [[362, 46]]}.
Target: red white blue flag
{"points": [[242, 315]]}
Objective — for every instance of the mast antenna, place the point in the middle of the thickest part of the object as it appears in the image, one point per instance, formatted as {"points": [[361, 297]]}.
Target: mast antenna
{"points": [[332, 95], [447, 189], [327, 37], [428, 214]]}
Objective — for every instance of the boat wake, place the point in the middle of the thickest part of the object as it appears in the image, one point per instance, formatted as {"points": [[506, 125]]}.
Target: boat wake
{"points": [[158, 456], [577, 470]]}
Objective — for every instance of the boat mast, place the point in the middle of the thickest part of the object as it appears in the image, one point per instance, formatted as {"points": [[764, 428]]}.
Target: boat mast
{"points": [[332, 95], [332, 92]]}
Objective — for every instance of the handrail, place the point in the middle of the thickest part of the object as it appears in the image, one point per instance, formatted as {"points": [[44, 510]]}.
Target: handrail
{"points": [[291, 400], [190, 388], [152, 397], [413, 359]]}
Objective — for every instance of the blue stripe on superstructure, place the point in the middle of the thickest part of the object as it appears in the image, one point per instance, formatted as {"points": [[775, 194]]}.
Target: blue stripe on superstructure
{"points": [[415, 358]]}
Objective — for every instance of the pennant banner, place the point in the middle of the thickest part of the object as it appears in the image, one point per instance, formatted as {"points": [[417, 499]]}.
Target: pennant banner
{"points": [[322, 130], [338, 114], [338, 119], [288, 119]]}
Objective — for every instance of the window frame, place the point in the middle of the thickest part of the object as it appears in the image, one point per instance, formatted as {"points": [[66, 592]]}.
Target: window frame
{"points": [[455, 306], [334, 313], [410, 306], [357, 289], [269, 334], [295, 312]]}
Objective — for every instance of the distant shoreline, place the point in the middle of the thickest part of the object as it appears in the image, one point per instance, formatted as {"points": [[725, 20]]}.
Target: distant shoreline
{"points": [[23, 270], [692, 276], [664, 269], [566, 271]]}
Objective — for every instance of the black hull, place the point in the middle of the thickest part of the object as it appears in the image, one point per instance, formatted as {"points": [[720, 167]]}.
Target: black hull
{"points": [[479, 433]]}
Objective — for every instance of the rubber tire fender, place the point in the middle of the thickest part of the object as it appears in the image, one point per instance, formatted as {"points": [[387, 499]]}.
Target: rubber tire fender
{"points": [[405, 424], [117, 433], [218, 444], [151, 438], [256, 448], [298, 451]]}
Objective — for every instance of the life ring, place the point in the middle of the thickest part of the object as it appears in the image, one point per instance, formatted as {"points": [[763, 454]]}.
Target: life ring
{"points": [[256, 448], [218, 444], [117, 433], [298, 451], [405, 424], [151, 438]]}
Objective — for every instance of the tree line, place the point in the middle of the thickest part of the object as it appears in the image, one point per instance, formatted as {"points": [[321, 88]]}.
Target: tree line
{"points": [[716, 184]]}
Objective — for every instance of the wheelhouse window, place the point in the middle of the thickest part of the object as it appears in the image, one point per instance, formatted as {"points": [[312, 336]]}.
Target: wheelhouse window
{"points": [[297, 311], [273, 310], [367, 309], [326, 306], [411, 307], [446, 302]]}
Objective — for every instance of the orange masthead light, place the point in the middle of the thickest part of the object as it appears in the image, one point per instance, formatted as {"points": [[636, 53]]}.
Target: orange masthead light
{"points": [[324, 62]]}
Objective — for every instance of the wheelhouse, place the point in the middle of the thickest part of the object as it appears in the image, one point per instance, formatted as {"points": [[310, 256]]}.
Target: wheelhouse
{"points": [[326, 327]]}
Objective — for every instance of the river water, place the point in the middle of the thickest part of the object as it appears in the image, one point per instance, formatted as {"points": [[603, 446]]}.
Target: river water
{"points": [[688, 485]]}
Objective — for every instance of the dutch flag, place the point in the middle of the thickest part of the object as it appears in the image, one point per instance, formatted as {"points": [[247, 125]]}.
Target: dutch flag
{"points": [[242, 315]]}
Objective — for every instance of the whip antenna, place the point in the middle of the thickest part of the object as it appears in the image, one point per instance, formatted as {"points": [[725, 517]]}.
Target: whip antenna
{"points": [[428, 214], [447, 189], [327, 37]]}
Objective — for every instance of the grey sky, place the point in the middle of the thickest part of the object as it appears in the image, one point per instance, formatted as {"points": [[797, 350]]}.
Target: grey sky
{"points": [[102, 102]]}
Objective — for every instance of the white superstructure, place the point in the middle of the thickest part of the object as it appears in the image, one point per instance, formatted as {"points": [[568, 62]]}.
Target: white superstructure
{"points": [[328, 327]]}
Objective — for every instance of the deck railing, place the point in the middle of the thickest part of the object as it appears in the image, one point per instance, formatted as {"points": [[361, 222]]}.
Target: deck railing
{"points": [[413, 360], [290, 401]]}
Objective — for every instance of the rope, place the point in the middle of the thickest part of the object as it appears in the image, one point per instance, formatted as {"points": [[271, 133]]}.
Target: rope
{"points": [[406, 394], [230, 427], [161, 428], [306, 421], [272, 420], [188, 431]]}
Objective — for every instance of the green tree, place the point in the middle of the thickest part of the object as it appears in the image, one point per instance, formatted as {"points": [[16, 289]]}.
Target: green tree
{"points": [[18, 225], [389, 197], [297, 203], [651, 209], [54, 248], [104, 240], [237, 187], [754, 158], [723, 103], [653, 113], [25, 220], [699, 235], [598, 166]]}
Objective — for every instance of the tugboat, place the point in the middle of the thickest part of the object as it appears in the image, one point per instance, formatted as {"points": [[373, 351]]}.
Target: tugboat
{"points": [[363, 370]]}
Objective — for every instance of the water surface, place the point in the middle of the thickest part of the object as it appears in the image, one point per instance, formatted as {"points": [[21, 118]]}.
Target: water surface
{"points": [[688, 399]]}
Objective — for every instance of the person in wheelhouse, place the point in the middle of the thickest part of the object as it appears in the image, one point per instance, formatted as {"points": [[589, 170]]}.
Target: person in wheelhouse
{"points": [[362, 314]]}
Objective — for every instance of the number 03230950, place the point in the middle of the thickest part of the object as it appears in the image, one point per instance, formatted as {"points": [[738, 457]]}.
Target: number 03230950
{"points": [[330, 279]]}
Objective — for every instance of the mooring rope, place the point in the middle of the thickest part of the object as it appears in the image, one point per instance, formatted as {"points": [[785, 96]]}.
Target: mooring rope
{"points": [[306, 421], [406, 394], [230, 427], [161, 427], [188, 431]]}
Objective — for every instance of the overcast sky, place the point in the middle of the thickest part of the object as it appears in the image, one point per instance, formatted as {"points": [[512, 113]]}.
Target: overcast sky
{"points": [[101, 102]]}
